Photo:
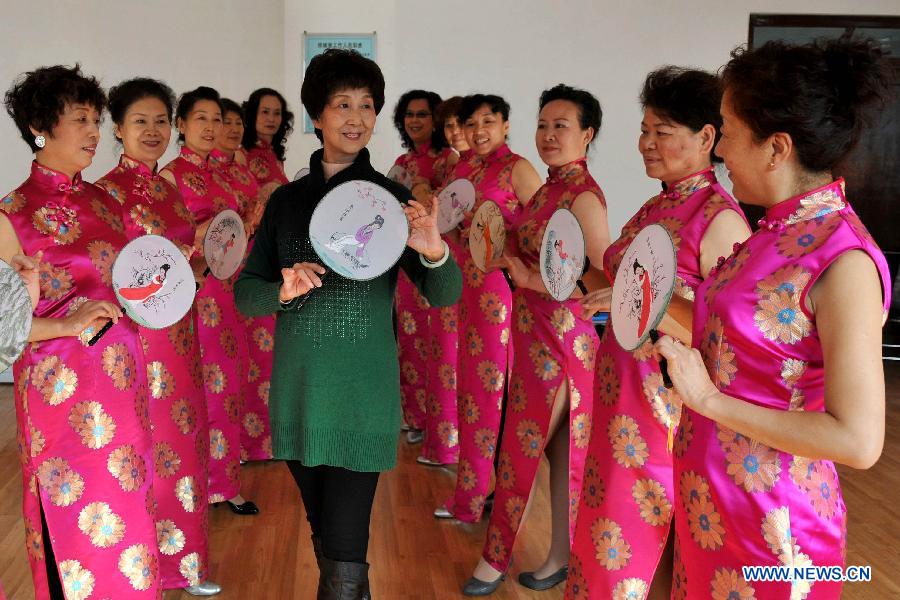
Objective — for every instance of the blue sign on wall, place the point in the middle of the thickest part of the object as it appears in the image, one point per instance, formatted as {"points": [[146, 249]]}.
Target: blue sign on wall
{"points": [[317, 43]]}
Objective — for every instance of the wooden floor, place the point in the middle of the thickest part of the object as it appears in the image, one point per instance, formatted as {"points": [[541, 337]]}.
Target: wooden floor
{"points": [[412, 555]]}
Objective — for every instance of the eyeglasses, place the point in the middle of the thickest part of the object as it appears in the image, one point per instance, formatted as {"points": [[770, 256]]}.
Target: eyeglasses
{"points": [[418, 115]]}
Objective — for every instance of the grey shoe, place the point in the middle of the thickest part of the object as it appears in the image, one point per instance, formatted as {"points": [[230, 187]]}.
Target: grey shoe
{"points": [[204, 588], [527, 579], [415, 436], [441, 512], [422, 460], [477, 587]]}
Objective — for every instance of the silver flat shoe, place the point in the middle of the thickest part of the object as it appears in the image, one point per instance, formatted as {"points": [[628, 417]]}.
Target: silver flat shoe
{"points": [[428, 462], [441, 512], [415, 436], [204, 588]]}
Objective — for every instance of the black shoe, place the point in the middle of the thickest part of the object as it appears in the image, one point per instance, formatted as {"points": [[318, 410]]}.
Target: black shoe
{"points": [[489, 503], [528, 579], [477, 587], [343, 581], [247, 508]]}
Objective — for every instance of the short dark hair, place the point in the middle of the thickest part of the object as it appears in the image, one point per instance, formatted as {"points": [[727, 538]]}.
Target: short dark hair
{"points": [[471, 103], [188, 99], [689, 97], [446, 109], [335, 70], [589, 112], [822, 94], [251, 109], [38, 98], [228, 105], [122, 96], [433, 99]]}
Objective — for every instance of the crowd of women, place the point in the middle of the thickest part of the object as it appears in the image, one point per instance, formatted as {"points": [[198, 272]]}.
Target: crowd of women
{"points": [[654, 490]]}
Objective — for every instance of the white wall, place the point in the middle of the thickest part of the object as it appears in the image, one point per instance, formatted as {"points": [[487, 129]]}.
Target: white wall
{"points": [[234, 46], [517, 48]]}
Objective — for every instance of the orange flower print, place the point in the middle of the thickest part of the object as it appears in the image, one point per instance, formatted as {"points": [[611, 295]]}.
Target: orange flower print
{"points": [[506, 474], [621, 426], [218, 444], [524, 316], [103, 255], [157, 190], [585, 348], [104, 527], [126, 465], [805, 237], [791, 371], [776, 530], [728, 584], [449, 318], [752, 465], [666, 403], [581, 430], [576, 584], [643, 352], [693, 487], [259, 167], [612, 551], [608, 386], [190, 568], [160, 380], [496, 549], [476, 504], [563, 321], [64, 485], [530, 438], [718, 355], [409, 372], [55, 282], [630, 451], [253, 425], [679, 578], [407, 322], [792, 279], [188, 493], [684, 435], [195, 182], [593, 490], [493, 308], [574, 396], [142, 407], [474, 276], [673, 226], [514, 507], [705, 523], [55, 381], [779, 317], [59, 223], [147, 219], [421, 347], [12, 203], [33, 541], [631, 589], [448, 434], [486, 441], [228, 342], [545, 365], [447, 375], [652, 501], [112, 219], [527, 232], [210, 314], [183, 415], [490, 375], [181, 336], [470, 411], [822, 489], [167, 460], [169, 538], [78, 582], [253, 371], [95, 427], [113, 189], [215, 379], [139, 565], [474, 343], [466, 475], [118, 363]]}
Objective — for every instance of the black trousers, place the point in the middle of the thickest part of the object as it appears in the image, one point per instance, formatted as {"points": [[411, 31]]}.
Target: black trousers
{"points": [[54, 585], [338, 506]]}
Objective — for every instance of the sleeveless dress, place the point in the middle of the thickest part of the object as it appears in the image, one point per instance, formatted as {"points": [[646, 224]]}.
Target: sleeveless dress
{"points": [[151, 205], [555, 346], [740, 502], [627, 496], [485, 345], [84, 431], [223, 346], [259, 332]]}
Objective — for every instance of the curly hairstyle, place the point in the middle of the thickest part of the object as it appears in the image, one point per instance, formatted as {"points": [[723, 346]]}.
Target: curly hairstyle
{"points": [[437, 135], [38, 98], [589, 112], [335, 70], [251, 108], [823, 94]]}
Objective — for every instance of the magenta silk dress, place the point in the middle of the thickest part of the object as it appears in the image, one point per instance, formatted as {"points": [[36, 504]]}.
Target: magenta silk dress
{"points": [[412, 309], [738, 501], [151, 205], [259, 332], [555, 346], [627, 495], [82, 411], [484, 345], [223, 346]]}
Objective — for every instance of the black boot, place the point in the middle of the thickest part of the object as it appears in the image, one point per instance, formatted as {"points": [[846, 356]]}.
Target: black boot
{"points": [[343, 580]]}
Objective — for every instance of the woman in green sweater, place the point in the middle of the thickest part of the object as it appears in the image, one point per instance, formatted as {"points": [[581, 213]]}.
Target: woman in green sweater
{"points": [[335, 395]]}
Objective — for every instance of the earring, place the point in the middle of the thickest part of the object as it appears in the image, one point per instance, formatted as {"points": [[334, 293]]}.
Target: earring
{"points": [[772, 164], [40, 141]]}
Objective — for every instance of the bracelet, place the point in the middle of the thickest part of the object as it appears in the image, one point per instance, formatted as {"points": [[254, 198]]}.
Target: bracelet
{"points": [[443, 259]]}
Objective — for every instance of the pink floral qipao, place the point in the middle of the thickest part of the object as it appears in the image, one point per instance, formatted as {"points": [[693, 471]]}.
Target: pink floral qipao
{"points": [[412, 309], [627, 494], [484, 345], [555, 347], [738, 501], [82, 411], [151, 205], [259, 332], [223, 346]]}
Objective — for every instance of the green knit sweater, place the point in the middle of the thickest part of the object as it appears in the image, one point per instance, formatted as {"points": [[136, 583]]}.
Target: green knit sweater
{"points": [[335, 392]]}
